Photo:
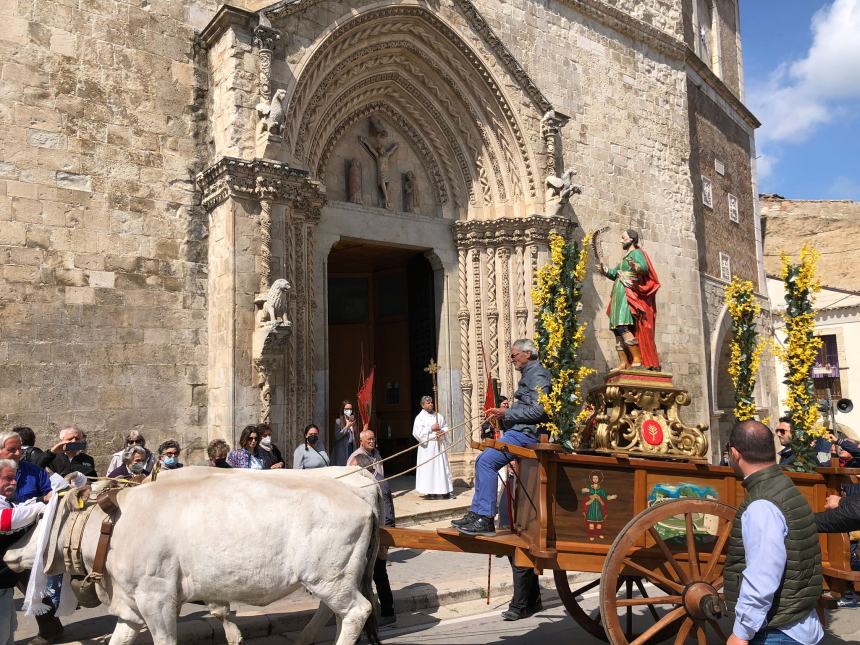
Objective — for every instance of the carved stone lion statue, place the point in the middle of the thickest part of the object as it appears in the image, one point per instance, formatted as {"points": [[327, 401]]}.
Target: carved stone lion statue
{"points": [[275, 307]]}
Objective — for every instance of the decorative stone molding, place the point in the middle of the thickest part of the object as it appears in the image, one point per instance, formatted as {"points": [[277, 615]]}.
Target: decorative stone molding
{"points": [[509, 231], [250, 179]]}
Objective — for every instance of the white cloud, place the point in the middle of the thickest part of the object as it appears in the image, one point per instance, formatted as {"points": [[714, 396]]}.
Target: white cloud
{"points": [[802, 95]]}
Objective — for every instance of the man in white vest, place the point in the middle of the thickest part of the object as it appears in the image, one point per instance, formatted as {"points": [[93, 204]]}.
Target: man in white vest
{"points": [[433, 477]]}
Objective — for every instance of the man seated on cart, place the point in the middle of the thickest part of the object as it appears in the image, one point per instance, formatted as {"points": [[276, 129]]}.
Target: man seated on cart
{"points": [[520, 424]]}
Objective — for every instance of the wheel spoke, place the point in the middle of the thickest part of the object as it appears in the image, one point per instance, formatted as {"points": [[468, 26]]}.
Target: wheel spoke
{"points": [[684, 631], [586, 588], [660, 625], [691, 546], [653, 600], [642, 591], [700, 635], [720, 544], [716, 627], [667, 553], [653, 576], [717, 583], [629, 589]]}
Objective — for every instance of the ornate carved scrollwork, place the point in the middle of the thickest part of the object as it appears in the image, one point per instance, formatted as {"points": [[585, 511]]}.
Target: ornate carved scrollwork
{"points": [[638, 412]]}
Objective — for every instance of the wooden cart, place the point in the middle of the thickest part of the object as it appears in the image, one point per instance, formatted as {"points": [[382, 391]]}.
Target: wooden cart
{"points": [[661, 571]]}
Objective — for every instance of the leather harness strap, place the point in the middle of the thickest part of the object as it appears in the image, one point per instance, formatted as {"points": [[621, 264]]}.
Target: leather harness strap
{"points": [[107, 502]]}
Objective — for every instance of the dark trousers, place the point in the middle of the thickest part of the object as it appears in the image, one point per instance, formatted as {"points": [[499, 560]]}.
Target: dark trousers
{"points": [[526, 587], [383, 588]]}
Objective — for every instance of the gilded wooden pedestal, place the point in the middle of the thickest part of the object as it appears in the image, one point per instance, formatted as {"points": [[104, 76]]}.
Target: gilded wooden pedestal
{"points": [[638, 412]]}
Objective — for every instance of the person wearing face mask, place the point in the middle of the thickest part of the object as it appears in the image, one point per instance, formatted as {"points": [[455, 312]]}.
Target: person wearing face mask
{"points": [[306, 455], [344, 435], [168, 452], [217, 451], [270, 451], [133, 463]]}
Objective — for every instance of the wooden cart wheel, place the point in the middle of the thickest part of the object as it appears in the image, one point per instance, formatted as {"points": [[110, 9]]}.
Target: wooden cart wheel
{"points": [[591, 621], [677, 548]]}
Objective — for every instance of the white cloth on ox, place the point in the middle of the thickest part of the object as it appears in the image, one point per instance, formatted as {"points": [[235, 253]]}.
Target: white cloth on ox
{"points": [[37, 586], [434, 476]]}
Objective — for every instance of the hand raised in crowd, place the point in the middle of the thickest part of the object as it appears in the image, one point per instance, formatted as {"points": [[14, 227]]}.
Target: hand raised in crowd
{"points": [[60, 447]]}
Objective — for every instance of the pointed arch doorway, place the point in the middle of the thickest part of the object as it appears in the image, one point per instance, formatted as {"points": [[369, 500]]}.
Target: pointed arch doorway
{"points": [[381, 314]]}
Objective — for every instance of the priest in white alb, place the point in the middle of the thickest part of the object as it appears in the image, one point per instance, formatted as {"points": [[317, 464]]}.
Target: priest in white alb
{"points": [[433, 476]]}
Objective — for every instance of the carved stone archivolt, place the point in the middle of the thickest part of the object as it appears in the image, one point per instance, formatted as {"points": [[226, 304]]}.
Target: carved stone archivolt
{"points": [[638, 412], [492, 256], [407, 58]]}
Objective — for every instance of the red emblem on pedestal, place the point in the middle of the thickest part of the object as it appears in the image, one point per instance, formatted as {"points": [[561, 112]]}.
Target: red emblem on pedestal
{"points": [[652, 433]]}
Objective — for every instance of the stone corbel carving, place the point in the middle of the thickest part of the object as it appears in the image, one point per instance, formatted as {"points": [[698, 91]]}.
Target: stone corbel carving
{"points": [[272, 115], [269, 341], [559, 190]]}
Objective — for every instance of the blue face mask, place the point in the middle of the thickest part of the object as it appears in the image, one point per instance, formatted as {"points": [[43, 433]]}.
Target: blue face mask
{"points": [[170, 462]]}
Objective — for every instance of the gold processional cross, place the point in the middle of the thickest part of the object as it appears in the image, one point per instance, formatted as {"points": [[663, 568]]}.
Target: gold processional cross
{"points": [[432, 369]]}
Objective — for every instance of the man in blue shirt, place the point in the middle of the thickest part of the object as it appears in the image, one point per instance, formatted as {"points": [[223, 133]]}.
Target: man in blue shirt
{"points": [[32, 480]]}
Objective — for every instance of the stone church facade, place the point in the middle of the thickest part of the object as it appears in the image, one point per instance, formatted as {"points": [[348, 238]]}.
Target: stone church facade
{"points": [[166, 163]]}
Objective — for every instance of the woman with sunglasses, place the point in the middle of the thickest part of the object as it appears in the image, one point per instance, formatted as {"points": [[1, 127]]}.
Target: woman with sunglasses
{"points": [[248, 454]]}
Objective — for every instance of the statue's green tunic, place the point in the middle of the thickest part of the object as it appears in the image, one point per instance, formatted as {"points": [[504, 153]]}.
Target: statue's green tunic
{"points": [[624, 276]]}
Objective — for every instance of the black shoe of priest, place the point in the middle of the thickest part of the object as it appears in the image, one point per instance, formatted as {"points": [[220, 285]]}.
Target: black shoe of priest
{"points": [[480, 526], [468, 518]]}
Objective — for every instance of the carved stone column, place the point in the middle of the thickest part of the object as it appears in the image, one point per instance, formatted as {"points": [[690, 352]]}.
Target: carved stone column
{"points": [[521, 310], [265, 39], [551, 125], [463, 317], [503, 239], [492, 314], [507, 340]]}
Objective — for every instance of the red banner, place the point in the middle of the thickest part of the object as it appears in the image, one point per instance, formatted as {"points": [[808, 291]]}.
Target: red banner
{"points": [[365, 399]]}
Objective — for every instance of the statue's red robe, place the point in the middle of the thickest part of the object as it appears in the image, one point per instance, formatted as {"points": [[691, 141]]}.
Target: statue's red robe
{"points": [[641, 298]]}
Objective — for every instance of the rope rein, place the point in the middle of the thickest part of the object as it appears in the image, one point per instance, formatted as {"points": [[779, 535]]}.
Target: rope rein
{"points": [[415, 447]]}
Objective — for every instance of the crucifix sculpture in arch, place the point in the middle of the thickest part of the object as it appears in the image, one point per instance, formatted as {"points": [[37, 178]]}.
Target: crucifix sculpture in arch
{"points": [[381, 151]]}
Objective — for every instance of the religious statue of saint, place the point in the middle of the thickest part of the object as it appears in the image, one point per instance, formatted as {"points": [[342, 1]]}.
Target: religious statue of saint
{"points": [[381, 151], [632, 308], [353, 181], [410, 192]]}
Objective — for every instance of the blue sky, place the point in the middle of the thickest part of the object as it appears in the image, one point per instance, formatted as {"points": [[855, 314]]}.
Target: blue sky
{"points": [[802, 70]]}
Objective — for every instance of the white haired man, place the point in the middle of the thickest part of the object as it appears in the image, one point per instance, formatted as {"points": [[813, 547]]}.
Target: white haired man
{"points": [[134, 438], [68, 455], [520, 423], [14, 520]]}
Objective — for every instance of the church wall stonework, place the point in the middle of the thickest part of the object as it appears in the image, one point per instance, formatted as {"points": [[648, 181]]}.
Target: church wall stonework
{"points": [[103, 296], [628, 138]]}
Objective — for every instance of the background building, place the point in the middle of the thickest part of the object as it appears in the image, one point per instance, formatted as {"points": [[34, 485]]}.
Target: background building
{"points": [[153, 190], [830, 227]]}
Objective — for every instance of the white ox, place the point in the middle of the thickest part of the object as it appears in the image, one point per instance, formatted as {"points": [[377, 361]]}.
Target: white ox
{"points": [[223, 536]]}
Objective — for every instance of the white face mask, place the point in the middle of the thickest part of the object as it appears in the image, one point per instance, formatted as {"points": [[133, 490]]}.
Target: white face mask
{"points": [[347, 413], [266, 441]]}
